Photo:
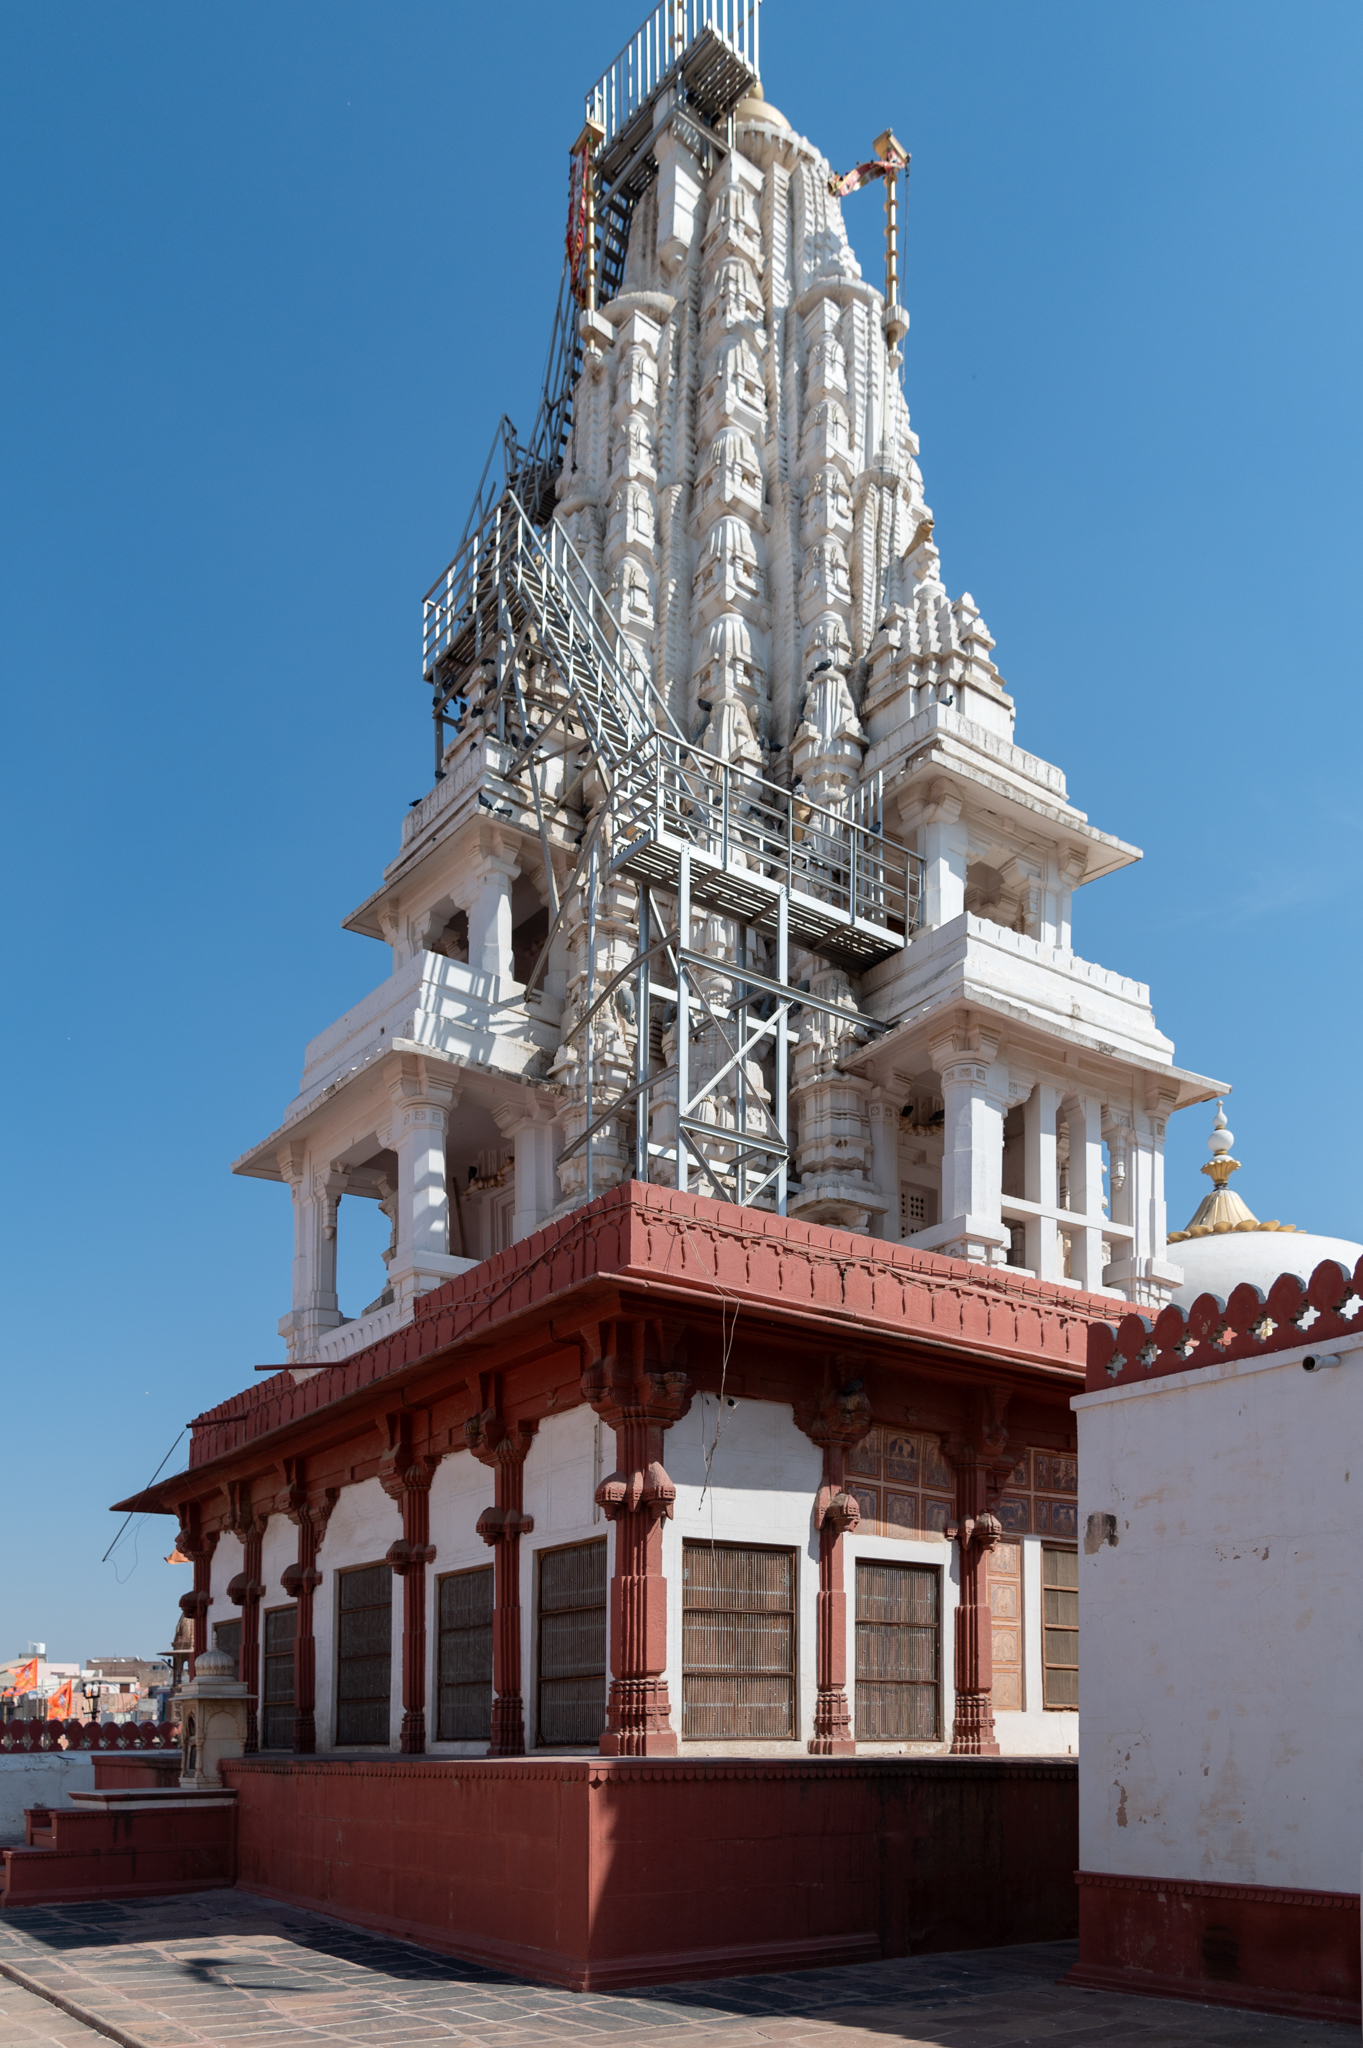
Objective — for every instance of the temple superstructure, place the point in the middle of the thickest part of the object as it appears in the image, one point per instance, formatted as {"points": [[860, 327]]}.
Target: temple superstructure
{"points": [[716, 743]]}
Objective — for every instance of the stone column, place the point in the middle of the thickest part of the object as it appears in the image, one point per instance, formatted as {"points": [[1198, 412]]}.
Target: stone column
{"points": [[841, 1419], [246, 1591], [945, 857], [1145, 1271], [315, 1306], [532, 1133], [300, 1582], [1039, 1182], [489, 876], [883, 1111], [422, 1098], [406, 1478], [979, 1453], [503, 1447], [1084, 1115], [976, 1092], [629, 1385], [192, 1542]]}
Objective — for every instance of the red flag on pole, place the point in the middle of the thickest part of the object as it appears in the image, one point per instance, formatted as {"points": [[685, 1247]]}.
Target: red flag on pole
{"points": [[61, 1706], [26, 1677]]}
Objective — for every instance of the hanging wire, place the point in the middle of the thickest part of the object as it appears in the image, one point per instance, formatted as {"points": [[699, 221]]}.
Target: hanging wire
{"points": [[132, 1511]]}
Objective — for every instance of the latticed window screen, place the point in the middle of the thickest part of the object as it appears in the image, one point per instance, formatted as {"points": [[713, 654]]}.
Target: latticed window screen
{"points": [[738, 1642], [1060, 1625], [364, 1656], [281, 1624], [572, 1643], [227, 1637], [464, 1656], [898, 1692]]}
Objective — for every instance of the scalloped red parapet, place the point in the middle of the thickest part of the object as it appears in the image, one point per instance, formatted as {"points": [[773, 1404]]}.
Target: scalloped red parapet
{"points": [[1249, 1325]]}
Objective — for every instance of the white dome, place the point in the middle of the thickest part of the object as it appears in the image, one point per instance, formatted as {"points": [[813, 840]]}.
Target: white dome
{"points": [[1217, 1263]]}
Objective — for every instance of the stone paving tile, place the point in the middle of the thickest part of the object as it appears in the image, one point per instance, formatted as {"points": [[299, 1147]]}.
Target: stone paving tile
{"points": [[223, 1970]]}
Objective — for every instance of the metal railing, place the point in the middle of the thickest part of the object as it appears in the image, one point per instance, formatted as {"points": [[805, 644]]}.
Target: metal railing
{"points": [[630, 82]]}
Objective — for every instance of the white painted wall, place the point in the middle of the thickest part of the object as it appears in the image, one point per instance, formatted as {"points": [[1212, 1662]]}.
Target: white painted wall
{"points": [[764, 1476], [48, 1779], [1221, 1651], [570, 1453], [229, 1557], [364, 1525]]}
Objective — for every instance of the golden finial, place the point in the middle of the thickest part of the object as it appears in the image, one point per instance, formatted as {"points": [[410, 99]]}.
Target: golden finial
{"points": [[1221, 1210]]}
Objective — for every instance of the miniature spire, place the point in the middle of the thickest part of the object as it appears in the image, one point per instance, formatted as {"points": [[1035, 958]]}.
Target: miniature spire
{"points": [[1221, 1210]]}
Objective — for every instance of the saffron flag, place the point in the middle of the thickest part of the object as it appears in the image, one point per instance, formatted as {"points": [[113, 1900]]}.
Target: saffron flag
{"points": [[26, 1677], [61, 1706]]}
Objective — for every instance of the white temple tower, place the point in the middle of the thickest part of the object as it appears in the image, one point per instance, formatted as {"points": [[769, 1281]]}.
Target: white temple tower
{"points": [[732, 874]]}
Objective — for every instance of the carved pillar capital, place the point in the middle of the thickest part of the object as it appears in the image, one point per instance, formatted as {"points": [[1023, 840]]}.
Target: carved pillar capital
{"points": [[630, 1379], [838, 1419]]}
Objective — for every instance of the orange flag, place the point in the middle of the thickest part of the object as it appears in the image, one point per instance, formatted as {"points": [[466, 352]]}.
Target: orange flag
{"points": [[61, 1705], [26, 1677]]}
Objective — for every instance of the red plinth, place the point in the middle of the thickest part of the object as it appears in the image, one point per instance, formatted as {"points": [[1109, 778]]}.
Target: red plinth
{"points": [[594, 1872]]}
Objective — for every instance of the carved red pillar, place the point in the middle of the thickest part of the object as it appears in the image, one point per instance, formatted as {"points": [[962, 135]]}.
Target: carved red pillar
{"points": [[198, 1547], [246, 1591], [406, 1479], [502, 1447], [630, 1389], [300, 1582], [841, 1419], [980, 1456]]}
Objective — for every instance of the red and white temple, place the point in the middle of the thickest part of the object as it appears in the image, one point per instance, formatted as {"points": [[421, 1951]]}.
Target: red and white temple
{"points": [[673, 1568]]}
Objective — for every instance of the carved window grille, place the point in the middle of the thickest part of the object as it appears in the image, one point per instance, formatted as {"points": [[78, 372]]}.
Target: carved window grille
{"points": [[464, 1656], [898, 1686], [227, 1638], [738, 1643], [1006, 1621], [571, 1665], [1060, 1626], [364, 1657], [281, 1626]]}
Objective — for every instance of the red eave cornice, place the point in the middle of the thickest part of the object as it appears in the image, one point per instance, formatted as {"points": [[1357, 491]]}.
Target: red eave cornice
{"points": [[652, 1245]]}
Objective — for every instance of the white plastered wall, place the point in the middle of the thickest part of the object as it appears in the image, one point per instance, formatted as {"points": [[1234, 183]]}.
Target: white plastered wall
{"points": [[1219, 1639], [942, 1557], [569, 1454], [764, 1476], [364, 1525], [460, 1489], [229, 1558]]}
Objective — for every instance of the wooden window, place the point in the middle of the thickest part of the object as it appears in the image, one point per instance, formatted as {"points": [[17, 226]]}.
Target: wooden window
{"points": [[898, 1652], [1060, 1626], [464, 1656], [364, 1656], [227, 1637], [281, 1624], [738, 1642], [572, 1643]]}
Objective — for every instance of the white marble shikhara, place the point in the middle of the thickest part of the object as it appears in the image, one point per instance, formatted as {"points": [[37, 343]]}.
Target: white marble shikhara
{"points": [[743, 484]]}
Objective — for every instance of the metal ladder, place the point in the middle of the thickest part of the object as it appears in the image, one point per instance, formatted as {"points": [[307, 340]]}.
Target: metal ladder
{"points": [[519, 642]]}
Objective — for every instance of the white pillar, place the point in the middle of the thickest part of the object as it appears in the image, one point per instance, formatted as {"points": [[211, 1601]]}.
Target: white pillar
{"points": [[533, 1134], [975, 1096], [1084, 1115], [490, 875], [422, 1101], [1039, 1178], [884, 1114], [1148, 1273], [315, 1308]]}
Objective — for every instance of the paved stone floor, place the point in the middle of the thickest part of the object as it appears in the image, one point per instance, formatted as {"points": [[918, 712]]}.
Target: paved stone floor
{"points": [[224, 1968]]}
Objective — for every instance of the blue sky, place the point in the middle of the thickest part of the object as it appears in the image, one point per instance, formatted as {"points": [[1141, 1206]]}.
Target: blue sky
{"points": [[271, 273]]}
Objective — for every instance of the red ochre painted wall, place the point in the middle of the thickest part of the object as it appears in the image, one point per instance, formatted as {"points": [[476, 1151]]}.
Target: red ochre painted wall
{"points": [[1269, 1948], [593, 1872]]}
